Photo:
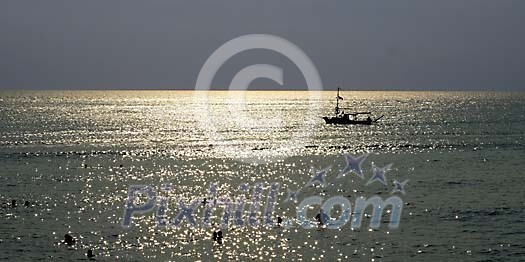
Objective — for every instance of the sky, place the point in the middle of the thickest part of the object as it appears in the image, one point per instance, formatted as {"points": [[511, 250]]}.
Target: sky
{"points": [[359, 45]]}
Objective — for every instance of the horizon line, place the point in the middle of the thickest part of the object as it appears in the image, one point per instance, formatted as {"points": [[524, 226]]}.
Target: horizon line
{"points": [[274, 90]]}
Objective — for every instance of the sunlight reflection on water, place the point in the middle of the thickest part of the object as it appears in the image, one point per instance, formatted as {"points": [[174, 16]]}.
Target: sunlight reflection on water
{"points": [[73, 155]]}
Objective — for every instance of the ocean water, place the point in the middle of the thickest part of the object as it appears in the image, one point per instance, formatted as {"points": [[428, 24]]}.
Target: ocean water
{"points": [[72, 155]]}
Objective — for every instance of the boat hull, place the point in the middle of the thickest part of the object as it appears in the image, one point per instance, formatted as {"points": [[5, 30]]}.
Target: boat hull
{"points": [[346, 121]]}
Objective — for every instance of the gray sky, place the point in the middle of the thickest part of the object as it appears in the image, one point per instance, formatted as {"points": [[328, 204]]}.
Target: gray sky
{"points": [[362, 45]]}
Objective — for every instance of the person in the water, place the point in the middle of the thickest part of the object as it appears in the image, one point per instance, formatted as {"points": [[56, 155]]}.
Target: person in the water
{"points": [[322, 216], [279, 221], [217, 237], [69, 240], [318, 218]]}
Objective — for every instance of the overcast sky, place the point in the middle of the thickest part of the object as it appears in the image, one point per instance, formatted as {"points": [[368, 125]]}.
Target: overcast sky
{"points": [[361, 45]]}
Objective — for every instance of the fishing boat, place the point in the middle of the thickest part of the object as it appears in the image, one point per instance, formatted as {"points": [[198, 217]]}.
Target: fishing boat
{"points": [[352, 118]]}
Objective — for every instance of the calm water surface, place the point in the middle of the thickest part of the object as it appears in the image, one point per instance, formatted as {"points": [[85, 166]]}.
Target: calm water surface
{"points": [[73, 155]]}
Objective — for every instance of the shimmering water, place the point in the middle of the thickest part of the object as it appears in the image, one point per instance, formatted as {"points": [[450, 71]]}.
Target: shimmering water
{"points": [[73, 155]]}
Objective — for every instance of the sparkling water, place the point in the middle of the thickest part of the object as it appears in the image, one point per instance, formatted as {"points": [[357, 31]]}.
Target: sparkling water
{"points": [[68, 158]]}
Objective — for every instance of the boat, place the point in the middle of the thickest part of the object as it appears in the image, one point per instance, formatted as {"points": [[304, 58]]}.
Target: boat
{"points": [[352, 118]]}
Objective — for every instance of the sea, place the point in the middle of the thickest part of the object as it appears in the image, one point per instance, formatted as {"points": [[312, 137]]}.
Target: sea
{"points": [[74, 162]]}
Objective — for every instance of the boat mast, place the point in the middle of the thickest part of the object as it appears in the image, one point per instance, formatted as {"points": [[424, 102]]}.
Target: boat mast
{"points": [[337, 102]]}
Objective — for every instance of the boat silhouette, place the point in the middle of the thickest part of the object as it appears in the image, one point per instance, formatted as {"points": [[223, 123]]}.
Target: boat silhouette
{"points": [[353, 118]]}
